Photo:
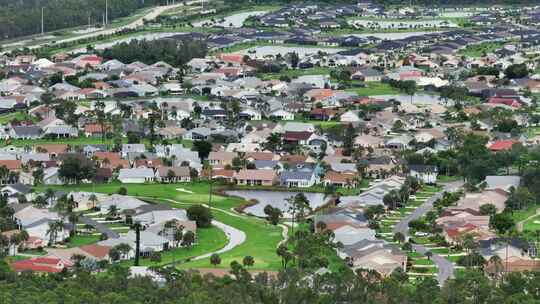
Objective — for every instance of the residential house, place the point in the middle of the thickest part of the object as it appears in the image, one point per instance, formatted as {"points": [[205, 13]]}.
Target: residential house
{"points": [[174, 174], [332, 178], [136, 175], [300, 178], [221, 159], [253, 177], [424, 173]]}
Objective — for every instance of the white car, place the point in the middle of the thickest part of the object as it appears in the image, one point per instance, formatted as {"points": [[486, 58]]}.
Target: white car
{"points": [[421, 234]]}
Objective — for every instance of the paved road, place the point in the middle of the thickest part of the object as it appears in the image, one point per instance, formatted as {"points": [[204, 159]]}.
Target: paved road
{"points": [[111, 234], [236, 237], [150, 15], [446, 268]]}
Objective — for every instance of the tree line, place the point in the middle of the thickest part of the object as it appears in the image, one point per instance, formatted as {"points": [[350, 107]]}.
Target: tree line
{"points": [[290, 286], [174, 52], [20, 18]]}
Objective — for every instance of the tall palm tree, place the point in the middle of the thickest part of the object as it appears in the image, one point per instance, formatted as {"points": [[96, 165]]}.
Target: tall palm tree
{"points": [[49, 195], [93, 199], [113, 211], [73, 219], [4, 172], [54, 228], [497, 264], [137, 226]]}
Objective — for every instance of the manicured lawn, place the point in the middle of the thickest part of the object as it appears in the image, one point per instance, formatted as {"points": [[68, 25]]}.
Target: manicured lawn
{"points": [[295, 73], [422, 262], [523, 214], [34, 252], [446, 178], [208, 240], [453, 259], [5, 118], [440, 251], [323, 124], [423, 269], [81, 240], [15, 258], [530, 225], [421, 240], [375, 88], [70, 141], [262, 238], [261, 243], [477, 50], [318, 189]]}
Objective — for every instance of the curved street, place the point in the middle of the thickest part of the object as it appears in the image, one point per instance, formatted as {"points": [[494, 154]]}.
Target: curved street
{"points": [[152, 14], [236, 237], [445, 267]]}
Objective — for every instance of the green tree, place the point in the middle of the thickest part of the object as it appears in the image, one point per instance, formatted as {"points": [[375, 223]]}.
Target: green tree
{"points": [[348, 141], [248, 261], [488, 209], [215, 259], [203, 148], [516, 71], [201, 215]]}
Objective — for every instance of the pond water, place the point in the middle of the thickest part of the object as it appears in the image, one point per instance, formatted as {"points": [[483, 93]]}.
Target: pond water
{"points": [[456, 14], [278, 199], [232, 21], [263, 51], [398, 24], [417, 99], [393, 36]]}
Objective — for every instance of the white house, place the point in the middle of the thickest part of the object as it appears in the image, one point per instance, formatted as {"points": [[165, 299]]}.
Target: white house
{"points": [[282, 115], [424, 173], [136, 175]]}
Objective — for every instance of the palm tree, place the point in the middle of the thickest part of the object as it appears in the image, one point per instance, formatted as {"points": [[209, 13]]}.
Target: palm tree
{"points": [[123, 249], [399, 237], [49, 195], [93, 199], [40, 202], [73, 219], [137, 227], [4, 172], [497, 264], [54, 228], [113, 211]]}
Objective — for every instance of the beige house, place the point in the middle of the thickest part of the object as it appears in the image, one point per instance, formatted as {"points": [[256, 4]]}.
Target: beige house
{"points": [[252, 177]]}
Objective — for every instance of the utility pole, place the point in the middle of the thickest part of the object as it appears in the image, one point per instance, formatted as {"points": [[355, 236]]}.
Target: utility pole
{"points": [[42, 21], [106, 12]]}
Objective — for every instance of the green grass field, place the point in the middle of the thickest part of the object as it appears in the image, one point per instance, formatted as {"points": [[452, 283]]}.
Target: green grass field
{"points": [[208, 240], [477, 50], [6, 118], [530, 225], [81, 240], [262, 238], [295, 73], [374, 89]]}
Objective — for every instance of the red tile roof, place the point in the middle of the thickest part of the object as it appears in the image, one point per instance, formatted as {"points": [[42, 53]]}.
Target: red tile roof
{"points": [[14, 164], [94, 128], [296, 136], [238, 58], [41, 264], [98, 251], [512, 102], [503, 145]]}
